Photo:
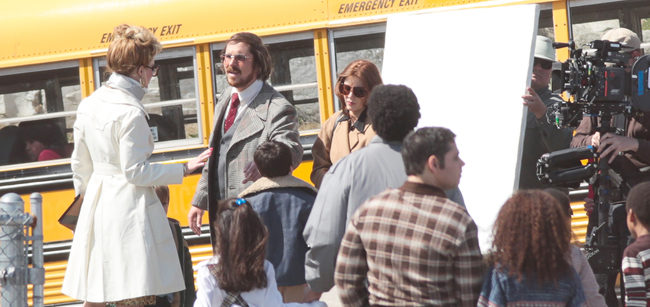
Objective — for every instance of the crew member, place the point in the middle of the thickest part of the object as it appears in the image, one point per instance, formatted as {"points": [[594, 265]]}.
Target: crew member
{"points": [[635, 144], [541, 135]]}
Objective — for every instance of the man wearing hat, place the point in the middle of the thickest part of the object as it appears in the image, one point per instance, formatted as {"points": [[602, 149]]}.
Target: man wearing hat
{"points": [[541, 135], [635, 144], [631, 43]]}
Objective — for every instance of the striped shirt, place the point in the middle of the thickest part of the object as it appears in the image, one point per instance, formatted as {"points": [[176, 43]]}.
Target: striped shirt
{"points": [[636, 272], [414, 247]]}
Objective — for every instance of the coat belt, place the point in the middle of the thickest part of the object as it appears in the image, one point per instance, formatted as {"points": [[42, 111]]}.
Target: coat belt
{"points": [[106, 169]]}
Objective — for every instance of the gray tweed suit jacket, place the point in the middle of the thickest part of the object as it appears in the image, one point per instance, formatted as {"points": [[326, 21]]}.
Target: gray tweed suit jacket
{"points": [[269, 116]]}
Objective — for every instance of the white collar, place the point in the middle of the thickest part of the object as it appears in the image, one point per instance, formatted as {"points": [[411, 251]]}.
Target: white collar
{"points": [[126, 84], [247, 95]]}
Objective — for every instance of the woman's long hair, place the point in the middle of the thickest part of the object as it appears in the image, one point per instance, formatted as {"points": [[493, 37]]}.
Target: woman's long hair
{"points": [[531, 237], [241, 246]]}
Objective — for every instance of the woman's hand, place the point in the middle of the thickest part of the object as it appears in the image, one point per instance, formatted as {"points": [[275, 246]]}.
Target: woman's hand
{"points": [[199, 161]]}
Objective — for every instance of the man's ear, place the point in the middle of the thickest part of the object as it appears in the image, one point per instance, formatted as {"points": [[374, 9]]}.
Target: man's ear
{"points": [[433, 163], [631, 217]]}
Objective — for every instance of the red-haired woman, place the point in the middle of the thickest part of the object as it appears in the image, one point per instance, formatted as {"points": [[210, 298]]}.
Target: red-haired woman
{"points": [[348, 129], [529, 255]]}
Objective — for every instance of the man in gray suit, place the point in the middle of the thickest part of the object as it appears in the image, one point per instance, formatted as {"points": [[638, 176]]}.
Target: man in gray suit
{"points": [[247, 114]]}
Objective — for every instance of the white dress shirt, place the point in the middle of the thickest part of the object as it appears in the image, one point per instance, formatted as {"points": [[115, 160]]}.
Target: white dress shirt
{"points": [[245, 97], [209, 293]]}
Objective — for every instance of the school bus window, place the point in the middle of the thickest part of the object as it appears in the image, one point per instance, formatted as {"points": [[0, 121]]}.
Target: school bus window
{"points": [[591, 21], [357, 43], [37, 107], [545, 24], [368, 47], [586, 32], [293, 75], [171, 97]]}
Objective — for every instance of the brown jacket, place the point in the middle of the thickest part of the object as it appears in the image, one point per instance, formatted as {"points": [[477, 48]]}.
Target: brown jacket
{"points": [[638, 128], [337, 140]]}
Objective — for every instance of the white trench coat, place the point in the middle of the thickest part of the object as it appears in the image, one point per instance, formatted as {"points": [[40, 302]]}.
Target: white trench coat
{"points": [[122, 247]]}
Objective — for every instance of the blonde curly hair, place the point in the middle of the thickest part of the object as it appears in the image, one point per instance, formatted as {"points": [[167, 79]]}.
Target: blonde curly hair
{"points": [[131, 47]]}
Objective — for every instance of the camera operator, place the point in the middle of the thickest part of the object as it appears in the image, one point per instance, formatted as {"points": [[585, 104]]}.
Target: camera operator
{"points": [[541, 135], [635, 145]]}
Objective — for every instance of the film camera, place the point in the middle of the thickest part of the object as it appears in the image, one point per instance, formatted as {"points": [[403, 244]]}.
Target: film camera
{"points": [[601, 81]]}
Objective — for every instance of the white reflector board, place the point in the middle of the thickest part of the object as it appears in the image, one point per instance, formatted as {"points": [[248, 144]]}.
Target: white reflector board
{"points": [[469, 69]]}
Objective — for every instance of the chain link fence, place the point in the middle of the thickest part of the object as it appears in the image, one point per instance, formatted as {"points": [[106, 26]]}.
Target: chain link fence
{"points": [[21, 236]]}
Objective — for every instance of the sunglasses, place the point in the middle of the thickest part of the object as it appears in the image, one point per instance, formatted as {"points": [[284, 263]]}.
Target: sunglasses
{"points": [[234, 57], [545, 64], [359, 92], [154, 69]]}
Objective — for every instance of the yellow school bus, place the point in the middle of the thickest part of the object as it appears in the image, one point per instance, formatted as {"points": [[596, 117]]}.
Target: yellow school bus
{"points": [[52, 56]]}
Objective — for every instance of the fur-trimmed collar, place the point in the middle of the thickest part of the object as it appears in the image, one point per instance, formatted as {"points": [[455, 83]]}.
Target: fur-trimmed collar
{"points": [[265, 183]]}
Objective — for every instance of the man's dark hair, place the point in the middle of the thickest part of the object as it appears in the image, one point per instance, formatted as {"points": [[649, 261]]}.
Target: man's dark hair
{"points": [[638, 200], [273, 159], [261, 55], [419, 145], [393, 110]]}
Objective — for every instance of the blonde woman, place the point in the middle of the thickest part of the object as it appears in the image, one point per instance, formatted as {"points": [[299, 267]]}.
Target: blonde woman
{"points": [[123, 251]]}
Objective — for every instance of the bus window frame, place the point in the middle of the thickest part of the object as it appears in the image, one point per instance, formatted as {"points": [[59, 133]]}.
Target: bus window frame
{"points": [[36, 69], [39, 67], [169, 53], [333, 34], [267, 40]]}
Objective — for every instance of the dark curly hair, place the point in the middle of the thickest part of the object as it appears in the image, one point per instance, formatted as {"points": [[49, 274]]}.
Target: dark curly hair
{"points": [[241, 246], [393, 110], [531, 237], [261, 55]]}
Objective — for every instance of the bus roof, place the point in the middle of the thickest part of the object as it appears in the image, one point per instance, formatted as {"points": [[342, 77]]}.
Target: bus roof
{"points": [[43, 31]]}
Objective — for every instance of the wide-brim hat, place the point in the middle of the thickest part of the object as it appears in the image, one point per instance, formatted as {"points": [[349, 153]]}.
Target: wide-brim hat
{"points": [[625, 37], [544, 48]]}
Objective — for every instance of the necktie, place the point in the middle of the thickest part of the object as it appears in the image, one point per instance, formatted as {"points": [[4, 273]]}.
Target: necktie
{"points": [[232, 113]]}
